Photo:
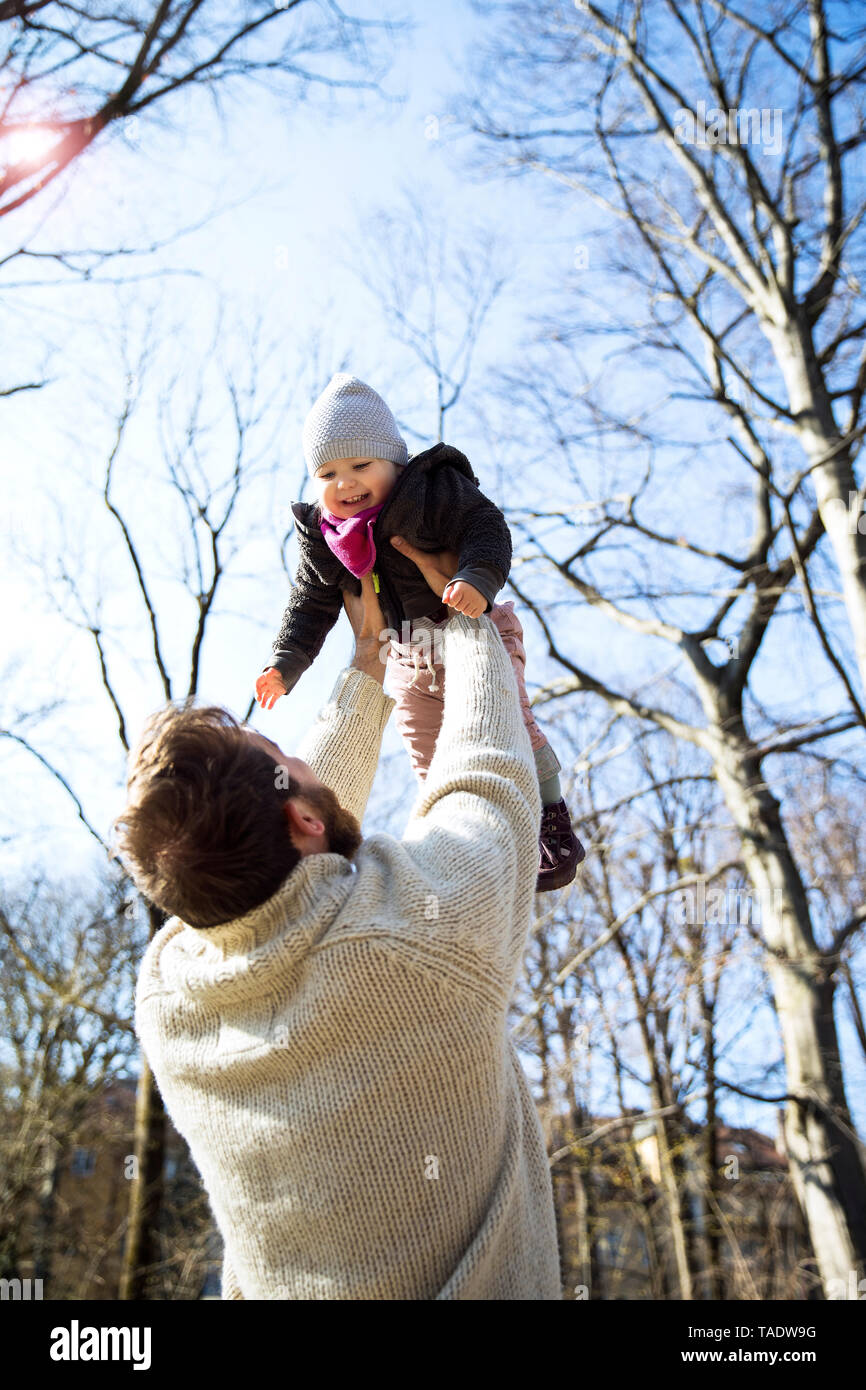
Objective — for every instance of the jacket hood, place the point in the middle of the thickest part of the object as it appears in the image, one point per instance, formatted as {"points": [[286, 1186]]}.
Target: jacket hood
{"points": [[440, 455]]}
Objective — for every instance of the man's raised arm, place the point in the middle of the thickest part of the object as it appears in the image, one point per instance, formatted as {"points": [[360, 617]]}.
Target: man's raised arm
{"points": [[343, 745], [474, 828]]}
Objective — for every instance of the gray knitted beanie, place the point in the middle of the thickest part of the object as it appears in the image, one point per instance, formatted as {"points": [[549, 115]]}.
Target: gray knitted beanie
{"points": [[350, 420]]}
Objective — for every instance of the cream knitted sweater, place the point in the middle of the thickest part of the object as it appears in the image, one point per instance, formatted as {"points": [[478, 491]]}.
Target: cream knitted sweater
{"points": [[338, 1060]]}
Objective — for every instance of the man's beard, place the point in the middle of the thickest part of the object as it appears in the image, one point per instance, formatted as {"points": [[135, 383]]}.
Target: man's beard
{"points": [[341, 828]]}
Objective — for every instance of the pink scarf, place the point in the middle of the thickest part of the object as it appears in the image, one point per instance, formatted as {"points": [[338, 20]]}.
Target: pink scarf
{"points": [[351, 538]]}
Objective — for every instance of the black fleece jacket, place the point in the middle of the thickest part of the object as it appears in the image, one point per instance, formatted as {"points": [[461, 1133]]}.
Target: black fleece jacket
{"points": [[436, 504]]}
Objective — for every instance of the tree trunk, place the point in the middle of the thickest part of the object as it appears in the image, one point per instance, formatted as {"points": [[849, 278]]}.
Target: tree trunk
{"points": [[46, 1208], [581, 1168], [827, 1169], [659, 1097], [581, 1212], [644, 1205], [145, 1198], [835, 486], [709, 1158], [141, 1251]]}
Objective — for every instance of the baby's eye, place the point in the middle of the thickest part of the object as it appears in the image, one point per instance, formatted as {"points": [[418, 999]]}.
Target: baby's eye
{"points": [[325, 476], [363, 465]]}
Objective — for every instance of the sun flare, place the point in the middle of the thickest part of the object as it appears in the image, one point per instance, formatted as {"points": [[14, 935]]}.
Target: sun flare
{"points": [[28, 145]]}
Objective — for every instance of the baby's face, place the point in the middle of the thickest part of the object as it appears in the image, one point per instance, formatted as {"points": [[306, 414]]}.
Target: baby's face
{"points": [[347, 486]]}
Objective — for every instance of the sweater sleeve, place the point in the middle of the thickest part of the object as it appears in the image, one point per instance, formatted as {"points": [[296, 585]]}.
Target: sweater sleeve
{"points": [[230, 1286], [343, 745], [473, 832]]}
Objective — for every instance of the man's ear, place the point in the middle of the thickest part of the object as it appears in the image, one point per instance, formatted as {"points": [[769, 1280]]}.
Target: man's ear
{"points": [[301, 818]]}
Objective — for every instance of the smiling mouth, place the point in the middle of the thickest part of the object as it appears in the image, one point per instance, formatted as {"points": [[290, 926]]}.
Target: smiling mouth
{"points": [[353, 501]]}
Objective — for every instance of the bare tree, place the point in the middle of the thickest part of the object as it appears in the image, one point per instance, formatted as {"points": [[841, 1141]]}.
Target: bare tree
{"points": [[802, 970], [67, 978], [663, 1220], [70, 74], [729, 252], [643, 850], [434, 290], [70, 71], [204, 486], [721, 260]]}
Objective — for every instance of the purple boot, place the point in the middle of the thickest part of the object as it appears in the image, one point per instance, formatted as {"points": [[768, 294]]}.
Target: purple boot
{"points": [[560, 851]]}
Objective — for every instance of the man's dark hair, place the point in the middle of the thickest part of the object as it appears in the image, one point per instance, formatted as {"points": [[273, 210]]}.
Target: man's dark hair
{"points": [[205, 834]]}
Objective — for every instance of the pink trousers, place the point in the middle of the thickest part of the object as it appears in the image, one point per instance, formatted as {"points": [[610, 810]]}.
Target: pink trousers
{"points": [[416, 680]]}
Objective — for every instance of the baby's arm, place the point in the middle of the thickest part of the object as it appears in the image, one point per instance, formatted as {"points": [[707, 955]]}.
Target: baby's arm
{"points": [[311, 612]]}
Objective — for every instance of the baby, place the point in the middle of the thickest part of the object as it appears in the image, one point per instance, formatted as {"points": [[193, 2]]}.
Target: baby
{"points": [[369, 490]]}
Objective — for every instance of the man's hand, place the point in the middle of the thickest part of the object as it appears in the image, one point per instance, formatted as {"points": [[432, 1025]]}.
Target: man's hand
{"points": [[437, 568], [368, 624], [269, 687]]}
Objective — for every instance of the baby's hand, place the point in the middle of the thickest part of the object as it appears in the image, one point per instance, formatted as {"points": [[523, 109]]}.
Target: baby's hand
{"points": [[465, 598], [269, 687]]}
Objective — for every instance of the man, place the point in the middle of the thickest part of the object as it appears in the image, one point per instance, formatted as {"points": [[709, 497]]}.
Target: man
{"points": [[325, 1016]]}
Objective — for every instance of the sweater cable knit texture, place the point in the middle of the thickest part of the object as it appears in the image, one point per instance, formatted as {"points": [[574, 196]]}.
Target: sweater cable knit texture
{"points": [[339, 1060]]}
